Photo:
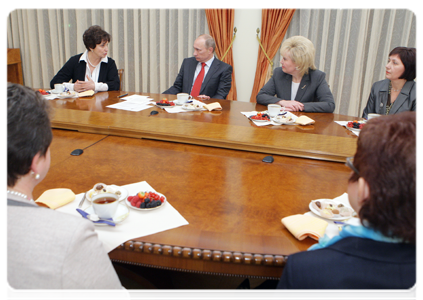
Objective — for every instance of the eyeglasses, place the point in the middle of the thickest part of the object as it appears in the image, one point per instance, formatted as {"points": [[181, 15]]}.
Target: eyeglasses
{"points": [[350, 164]]}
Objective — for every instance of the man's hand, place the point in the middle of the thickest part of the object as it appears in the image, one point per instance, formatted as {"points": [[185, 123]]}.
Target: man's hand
{"points": [[291, 105], [203, 97]]}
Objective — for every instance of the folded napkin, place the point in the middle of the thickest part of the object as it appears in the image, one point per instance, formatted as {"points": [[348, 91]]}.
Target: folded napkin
{"points": [[213, 106], [55, 198], [304, 120], [302, 226], [86, 93]]}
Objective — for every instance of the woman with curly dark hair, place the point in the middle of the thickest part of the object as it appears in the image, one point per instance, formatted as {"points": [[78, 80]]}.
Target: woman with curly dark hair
{"points": [[380, 258], [93, 69], [46, 249], [381, 252]]}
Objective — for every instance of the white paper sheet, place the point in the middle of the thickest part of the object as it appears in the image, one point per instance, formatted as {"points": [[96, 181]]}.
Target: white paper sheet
{"points": [[137, 224]]}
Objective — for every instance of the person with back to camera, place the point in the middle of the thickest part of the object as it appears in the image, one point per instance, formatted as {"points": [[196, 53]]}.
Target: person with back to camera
{"points": [[214, 76], [380, 258], [397, 92], [297, 84], [46, 249], [93, 69]]}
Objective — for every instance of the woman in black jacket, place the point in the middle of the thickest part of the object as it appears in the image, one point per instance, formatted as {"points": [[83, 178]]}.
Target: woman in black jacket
{"points": [[93, 69]]}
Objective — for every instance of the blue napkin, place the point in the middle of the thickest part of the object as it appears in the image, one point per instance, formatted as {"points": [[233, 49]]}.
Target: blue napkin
{"points": [[105, 221]]}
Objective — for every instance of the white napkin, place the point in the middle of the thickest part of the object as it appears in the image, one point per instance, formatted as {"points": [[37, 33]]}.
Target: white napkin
{"points": [[137, 224], [333, 228], [264, 123], [344, 123]]}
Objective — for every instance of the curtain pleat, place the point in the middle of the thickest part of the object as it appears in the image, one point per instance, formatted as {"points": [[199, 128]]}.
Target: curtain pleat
{"points": [[274, 25], [221, 28]]}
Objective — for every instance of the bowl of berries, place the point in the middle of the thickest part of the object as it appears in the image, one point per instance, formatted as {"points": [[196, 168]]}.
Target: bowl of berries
{"points": [[355, 125], [146, 200], [165, 103], [260, 117]]}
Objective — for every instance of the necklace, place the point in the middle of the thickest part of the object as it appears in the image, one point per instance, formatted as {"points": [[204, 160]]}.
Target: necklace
{"points": [[22, 195], [91, 63]]}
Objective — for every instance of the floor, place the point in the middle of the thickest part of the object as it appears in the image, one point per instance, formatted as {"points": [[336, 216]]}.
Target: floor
{"points": [[191, 286]]}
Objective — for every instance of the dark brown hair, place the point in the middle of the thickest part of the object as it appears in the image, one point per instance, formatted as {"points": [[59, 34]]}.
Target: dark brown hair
{"points": [[408, 59], [93, 36], [386, 159], [28, 130]]}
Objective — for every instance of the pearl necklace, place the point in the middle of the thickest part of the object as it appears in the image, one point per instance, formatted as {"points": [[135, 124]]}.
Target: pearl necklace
{"points": [[91, 63], [22, 195]]}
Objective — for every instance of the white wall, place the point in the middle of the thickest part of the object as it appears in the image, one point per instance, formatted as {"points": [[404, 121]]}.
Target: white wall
{"points": [[245, 50]]}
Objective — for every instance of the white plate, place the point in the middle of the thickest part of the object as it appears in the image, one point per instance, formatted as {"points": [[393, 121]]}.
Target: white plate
{"points": [[192, 108], [122, 190], [353, 129], [279, 122], [254, 120], [146, 209], [335, 217], [167, 106], [121, 214], [65, 95]]}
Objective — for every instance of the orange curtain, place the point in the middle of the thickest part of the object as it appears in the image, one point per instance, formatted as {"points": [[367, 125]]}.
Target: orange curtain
{"points": [[274, 23], [221, 27]]}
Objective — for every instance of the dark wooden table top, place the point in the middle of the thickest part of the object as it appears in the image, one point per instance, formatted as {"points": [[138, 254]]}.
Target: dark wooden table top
{"points": [[232, 200], [228, 128]]}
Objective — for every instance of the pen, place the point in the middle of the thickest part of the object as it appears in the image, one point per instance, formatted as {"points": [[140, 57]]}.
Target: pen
{"points": [[120, 96]]}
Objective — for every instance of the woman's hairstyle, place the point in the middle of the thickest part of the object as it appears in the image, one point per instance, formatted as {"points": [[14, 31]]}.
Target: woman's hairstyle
{"points": [[93, 36], [386, 159], [301, 50], [28, 130], [408, 58]]}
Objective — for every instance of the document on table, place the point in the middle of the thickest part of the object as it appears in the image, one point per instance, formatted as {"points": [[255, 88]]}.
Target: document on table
{"points": [[134, 103]]}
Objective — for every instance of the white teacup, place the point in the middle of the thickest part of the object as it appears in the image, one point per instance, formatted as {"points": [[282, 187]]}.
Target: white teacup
{"points": [[59, 88], [273, 109], [371, 116], [105, 204], [183, 98]]}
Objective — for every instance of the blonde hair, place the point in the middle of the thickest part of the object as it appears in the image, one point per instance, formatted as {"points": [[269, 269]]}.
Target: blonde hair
{"points": [[301, 51]]}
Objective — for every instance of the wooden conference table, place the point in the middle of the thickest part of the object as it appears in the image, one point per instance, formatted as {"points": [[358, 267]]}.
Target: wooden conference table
{"points": [[232, 200]]}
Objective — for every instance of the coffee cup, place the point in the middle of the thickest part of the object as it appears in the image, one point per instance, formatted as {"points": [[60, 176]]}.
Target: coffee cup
{"points": [[59, 88], [273, 109], [371, 116], [105, 205], [183, 98]]}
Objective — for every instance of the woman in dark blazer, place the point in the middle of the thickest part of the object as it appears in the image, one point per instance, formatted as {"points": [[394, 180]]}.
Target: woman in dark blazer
{"points": [[396, 93], [380, 258], [93, 69], [298, 86]]}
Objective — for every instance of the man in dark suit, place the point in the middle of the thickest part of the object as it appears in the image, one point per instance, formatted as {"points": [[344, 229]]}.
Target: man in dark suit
{"points": [[214, 76]]}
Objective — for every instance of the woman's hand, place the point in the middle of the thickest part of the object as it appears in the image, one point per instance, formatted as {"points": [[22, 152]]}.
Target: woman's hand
{"points": [[82, 86], [291, 105]]}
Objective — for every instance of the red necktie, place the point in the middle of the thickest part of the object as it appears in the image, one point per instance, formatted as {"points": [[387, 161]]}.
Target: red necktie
{"points": [[198, 82]]}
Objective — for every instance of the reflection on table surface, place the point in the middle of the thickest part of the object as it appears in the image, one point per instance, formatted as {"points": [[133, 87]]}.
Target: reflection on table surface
{"points": [[227, 128], [232, 200]]}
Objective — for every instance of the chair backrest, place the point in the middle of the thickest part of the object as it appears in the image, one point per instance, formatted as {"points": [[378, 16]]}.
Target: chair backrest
{"points": [[120, 72]]}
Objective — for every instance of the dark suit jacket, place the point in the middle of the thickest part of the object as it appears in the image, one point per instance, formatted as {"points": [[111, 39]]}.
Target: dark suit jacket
{"points": [[313, 91], [406, 100], [216, 84], [75, 70], [352, 263]]}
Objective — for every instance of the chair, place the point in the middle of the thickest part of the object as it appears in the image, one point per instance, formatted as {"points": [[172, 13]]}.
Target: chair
{"points": [[120, 72]]}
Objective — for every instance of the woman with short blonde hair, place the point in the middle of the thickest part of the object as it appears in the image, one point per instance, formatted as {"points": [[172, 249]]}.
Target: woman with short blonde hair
{"points": [[297, 84]]}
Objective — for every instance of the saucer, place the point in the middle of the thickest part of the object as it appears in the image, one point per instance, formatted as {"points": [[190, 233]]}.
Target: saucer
{"points": [[121, 214]]}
